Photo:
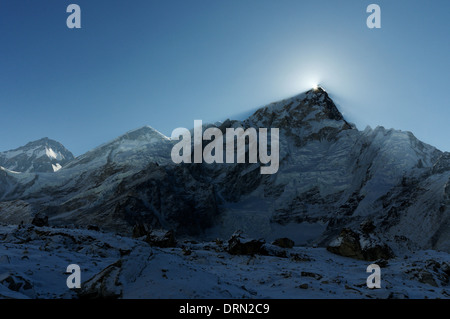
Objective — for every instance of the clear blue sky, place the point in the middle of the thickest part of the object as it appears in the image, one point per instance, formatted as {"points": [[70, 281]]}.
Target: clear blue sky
{"points": [[166, 63]]}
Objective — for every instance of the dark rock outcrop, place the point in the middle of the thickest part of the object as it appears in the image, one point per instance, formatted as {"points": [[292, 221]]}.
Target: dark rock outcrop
{"points": [[239, 245], [40, 220], [284, 242], [360, 245], [104, 285], [161, 238]]}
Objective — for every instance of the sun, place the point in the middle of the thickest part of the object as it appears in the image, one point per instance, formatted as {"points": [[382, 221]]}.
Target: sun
{"points": [[314, 84]]}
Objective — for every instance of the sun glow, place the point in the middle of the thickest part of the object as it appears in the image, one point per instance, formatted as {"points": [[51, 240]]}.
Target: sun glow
{"points": [[314, 83]]}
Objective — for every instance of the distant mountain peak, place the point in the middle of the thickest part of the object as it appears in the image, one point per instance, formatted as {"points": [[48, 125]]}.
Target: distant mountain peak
{"points": [[43, 155], [145, 131], [45, 141], [138, 147]]}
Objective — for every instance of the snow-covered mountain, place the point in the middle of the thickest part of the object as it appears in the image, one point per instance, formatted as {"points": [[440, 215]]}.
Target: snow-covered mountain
{"points": [[44, 155], [331, 176]]}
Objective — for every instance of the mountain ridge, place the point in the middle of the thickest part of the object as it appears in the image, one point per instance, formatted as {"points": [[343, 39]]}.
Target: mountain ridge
{"points": [[331, 176]]}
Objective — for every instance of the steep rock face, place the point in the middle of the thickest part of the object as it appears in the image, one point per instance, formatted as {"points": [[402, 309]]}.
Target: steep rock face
{"points": [[331, 176]]}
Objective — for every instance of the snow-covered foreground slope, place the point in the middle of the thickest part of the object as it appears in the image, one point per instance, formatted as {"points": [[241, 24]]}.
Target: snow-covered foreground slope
{"points": [[33, 261]]}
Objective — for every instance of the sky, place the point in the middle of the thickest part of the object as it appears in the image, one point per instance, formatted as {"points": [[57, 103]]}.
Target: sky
{"points": [[168, 63]]}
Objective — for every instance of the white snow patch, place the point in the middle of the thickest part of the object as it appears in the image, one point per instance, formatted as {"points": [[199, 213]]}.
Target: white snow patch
{"points": [[8, 171], [56, 167], [51, 154]]}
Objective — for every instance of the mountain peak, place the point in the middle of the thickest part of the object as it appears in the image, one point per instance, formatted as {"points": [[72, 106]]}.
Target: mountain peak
{"points": [[136, 147], [318, 89], [143, 132], [302, 110], [43, 155], [319, 95], [45, 141]]}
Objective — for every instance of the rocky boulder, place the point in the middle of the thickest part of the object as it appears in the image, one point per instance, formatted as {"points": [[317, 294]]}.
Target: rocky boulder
{"points": [[360, 245], [161, 238], [104, 285], [273, 250], [40, 220], [140, 230], [240, 245], [284, 243]]}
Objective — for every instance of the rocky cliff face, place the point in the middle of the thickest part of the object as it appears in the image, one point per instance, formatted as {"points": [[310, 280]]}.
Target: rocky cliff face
{"points": [[331, 176]]}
